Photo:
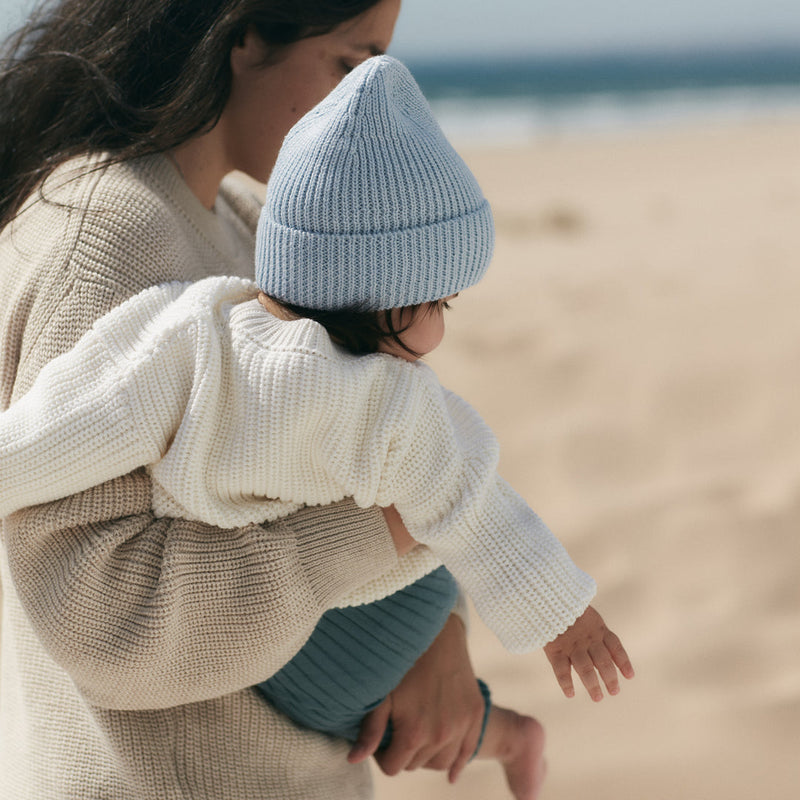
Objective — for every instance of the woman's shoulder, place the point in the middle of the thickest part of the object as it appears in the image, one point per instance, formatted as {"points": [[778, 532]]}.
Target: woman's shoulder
{"points": [[93, 180], [89, 191], [143, 191], [131, 224]]}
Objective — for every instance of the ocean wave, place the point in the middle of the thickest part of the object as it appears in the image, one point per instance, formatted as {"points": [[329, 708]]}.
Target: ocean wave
{"points": [[521, 119], [517, 99]]}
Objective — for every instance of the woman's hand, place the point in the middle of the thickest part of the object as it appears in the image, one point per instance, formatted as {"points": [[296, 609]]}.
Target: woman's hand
{"points": [[436, 711]]}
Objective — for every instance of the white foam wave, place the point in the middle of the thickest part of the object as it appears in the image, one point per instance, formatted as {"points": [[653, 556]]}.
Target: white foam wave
{"points": [[522, 119]]}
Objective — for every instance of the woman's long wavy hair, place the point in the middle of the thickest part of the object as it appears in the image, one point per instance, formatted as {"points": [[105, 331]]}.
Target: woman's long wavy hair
{"points": [[130, 77]]}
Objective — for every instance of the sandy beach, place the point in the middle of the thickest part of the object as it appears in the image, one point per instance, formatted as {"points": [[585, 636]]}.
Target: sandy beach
{"points": [[636, 347]]}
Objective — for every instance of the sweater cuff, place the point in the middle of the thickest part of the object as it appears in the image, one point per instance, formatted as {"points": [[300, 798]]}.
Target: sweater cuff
{"points": [[519, 577], [524, 587], [342, 547]]}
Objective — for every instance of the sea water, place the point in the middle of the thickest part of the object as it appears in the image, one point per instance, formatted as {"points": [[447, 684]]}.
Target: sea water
{"points": [[524, 99]]}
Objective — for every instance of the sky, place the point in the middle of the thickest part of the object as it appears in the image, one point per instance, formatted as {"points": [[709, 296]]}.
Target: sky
{"points": [[435, 29], [439, 28]]}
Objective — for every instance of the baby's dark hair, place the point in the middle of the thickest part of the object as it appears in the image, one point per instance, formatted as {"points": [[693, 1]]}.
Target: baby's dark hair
{"points": [[358, 331]]}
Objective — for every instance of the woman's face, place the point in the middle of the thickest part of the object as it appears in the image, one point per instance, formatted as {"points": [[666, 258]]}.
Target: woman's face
{"points": [[266, 101]]}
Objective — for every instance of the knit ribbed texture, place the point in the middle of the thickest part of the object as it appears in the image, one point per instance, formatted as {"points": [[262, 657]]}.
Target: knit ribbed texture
{"points": [[268, 414], [356, 656], [105, 607], [368, 204]]}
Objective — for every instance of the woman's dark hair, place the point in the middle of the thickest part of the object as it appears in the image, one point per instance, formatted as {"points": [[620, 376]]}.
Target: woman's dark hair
{"points": [[361, 332], [130, 77]]}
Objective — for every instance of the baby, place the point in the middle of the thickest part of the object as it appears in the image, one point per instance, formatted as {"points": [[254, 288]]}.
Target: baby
{"points": [[248, 400]]}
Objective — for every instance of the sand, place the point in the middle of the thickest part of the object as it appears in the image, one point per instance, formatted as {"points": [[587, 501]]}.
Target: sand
{"points": [[636, 347]]}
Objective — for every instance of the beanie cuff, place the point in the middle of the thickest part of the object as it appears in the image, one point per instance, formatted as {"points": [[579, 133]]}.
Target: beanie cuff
{"points": [[374, 271]]}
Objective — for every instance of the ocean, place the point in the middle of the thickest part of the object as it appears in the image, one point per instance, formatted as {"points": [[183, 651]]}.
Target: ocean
{"points": [[517, 100]]}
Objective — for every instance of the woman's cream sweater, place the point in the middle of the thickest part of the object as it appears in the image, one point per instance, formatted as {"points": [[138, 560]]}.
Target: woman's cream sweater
{"points": [[129, 642], [243, 418]]}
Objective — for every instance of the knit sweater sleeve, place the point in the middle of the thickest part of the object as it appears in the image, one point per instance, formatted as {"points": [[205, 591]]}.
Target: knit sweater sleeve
{"points": [[115, 401], [76, 427], [519, 576], [440, 472]]}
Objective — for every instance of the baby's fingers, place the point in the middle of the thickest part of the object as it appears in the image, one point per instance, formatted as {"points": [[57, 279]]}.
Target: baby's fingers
{"points": [[585, 668], [605, 665], [609, 657], [562, 668], [619, 655]]}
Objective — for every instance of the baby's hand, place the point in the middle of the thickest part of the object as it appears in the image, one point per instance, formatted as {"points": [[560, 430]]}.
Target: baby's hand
{"points": [[590, 648]]}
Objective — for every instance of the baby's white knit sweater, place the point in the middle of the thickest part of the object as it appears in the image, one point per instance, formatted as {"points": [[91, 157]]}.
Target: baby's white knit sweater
{"points": [[242, 417]]}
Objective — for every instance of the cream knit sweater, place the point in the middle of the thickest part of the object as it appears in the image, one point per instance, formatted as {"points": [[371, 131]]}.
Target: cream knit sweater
{"points": [[245, 418], [129, 643]]}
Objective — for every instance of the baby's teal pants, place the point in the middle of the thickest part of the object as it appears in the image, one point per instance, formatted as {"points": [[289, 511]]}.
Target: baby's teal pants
{"points": [[357, 655]]}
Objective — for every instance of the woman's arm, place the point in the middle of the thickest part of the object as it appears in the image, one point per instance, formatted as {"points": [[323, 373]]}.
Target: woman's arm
{"points": [[149, 613]]}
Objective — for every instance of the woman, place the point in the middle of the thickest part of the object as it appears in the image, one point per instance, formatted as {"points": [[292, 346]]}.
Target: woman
{"points": [[130, 643]]}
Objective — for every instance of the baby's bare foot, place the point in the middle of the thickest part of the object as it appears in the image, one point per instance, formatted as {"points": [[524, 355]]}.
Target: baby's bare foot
{"points": [[523, 755]]}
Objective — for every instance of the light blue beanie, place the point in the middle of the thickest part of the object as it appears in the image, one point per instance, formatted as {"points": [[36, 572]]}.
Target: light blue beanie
{"points": [[368, 205]]}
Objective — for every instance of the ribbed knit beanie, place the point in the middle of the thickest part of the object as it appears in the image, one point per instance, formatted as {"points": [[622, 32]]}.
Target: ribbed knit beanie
{"points": [[368, 205]]}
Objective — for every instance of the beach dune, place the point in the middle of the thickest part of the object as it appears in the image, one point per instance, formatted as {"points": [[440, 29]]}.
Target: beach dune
{"points": [[636, 347]]}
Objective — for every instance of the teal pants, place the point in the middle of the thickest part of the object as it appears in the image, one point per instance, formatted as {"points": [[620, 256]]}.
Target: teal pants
{"points": [[357, 655]]}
